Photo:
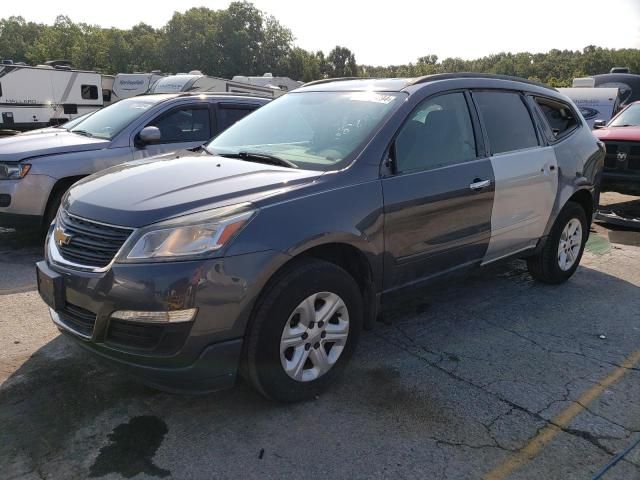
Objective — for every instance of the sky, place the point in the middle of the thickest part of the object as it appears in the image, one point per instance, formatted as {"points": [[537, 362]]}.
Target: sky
{"points": [[394, 33]]}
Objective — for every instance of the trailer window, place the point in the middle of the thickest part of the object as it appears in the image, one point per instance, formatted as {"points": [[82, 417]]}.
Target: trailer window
{"points": [[89, 92]]}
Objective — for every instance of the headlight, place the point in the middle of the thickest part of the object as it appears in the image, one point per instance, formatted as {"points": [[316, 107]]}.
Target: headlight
{"points": [[12, 171], [191, 235]]}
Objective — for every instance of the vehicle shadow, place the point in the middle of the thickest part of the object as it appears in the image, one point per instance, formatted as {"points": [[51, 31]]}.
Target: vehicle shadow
{"points": [[65, 413]]}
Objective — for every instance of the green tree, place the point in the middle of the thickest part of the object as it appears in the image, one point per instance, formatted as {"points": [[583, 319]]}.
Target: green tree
{"points": [[341, 63]]}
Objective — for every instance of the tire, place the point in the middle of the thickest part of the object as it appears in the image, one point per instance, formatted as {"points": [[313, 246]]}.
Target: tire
{"points": [[324, 288], [52, 209], [550, 265]]}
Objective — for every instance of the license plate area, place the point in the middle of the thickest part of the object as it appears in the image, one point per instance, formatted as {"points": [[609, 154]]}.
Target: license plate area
{"points": [[50, 286]]}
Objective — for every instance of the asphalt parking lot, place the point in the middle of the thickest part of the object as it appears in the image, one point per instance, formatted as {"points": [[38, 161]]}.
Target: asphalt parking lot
{"points": [[493, 376]]}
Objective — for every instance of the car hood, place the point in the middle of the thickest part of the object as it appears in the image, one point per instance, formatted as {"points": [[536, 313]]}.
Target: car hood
{"points": [[140, 193], [621, 134], [21, 147]]}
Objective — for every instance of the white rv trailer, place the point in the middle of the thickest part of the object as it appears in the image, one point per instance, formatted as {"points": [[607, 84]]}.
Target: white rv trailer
{"points": [[36, 97], [595, 103], [195, 81], [268, 80], [125, 85]]}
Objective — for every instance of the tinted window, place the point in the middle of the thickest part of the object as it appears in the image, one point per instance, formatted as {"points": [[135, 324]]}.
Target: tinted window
{"points": [[507, 121], [560, 117], [228, 115], [184, 125], [437, 133], [89, 92]]}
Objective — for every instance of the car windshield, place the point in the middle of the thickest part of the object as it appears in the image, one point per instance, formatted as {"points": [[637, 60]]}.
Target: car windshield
{"points": [[111, 120], [628, 117], [313, 130], [72, 123]]}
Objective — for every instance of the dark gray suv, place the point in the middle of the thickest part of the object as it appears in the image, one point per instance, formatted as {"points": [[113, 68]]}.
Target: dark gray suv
{"points": [[268, 251]]}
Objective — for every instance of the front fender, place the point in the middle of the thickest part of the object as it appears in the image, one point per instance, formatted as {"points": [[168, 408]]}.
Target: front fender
{"points": [[351, 215]]}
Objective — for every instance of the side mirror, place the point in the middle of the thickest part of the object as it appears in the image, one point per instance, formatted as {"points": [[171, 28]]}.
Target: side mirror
{"points": [[149, 135], [599, 124]]}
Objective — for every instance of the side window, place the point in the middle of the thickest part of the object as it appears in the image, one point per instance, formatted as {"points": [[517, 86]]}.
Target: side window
{"points": [[230, 114], [559, 116], [438, 133], [89, 92], [507, 121], [184, 125]]}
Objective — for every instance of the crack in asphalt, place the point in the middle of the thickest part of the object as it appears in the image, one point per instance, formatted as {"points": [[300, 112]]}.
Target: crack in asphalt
{"points": [[587, 436]]}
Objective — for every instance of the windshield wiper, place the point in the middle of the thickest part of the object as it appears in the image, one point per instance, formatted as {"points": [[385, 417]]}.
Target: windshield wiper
{"points": [[625, 125], [260, 158], [82, 132]]}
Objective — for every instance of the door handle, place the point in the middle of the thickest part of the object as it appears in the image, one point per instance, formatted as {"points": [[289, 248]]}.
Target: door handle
{"points": [[479, 184]]}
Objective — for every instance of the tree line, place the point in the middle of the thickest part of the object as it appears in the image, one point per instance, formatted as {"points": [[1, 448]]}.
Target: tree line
{"points": [[242, 40]]}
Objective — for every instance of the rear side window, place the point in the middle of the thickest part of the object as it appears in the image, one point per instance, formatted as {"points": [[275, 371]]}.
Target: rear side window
{"points": [[230, 114], [507, 121], [89, 92], [559, 116], [438, 133]]}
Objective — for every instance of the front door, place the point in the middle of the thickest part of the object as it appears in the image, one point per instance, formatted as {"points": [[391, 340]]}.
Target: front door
{"points": [[180, 128], [438, 203]]}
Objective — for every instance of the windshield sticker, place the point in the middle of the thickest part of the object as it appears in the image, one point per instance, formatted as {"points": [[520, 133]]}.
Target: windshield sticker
{"points": [[371, 97]]}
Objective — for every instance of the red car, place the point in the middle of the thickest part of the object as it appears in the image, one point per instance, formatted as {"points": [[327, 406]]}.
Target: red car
{"points": [[622, 139]]}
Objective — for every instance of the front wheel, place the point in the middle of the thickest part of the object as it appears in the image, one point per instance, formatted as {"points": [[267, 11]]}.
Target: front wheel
{"points": [[303, 332], [561, 254]]}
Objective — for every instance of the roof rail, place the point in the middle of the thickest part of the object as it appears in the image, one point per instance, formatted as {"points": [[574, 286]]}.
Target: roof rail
{"points": [[495, 76], [195, 93], [339, 79]]}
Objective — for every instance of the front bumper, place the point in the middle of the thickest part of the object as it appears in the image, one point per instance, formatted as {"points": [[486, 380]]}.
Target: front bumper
{"points": [[197, 356], [27, 200], [621, 181]]}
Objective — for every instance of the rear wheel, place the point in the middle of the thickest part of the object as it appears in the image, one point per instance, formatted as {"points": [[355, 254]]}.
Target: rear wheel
{"points": [[304, 331], [561, 254]]}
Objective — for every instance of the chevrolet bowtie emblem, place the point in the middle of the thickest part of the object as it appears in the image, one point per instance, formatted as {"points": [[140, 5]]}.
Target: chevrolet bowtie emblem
{"points": [[622, 156], [61, 237]]}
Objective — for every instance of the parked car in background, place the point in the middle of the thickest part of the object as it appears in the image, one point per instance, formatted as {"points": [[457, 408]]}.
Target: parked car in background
{"points": [[268, 250], [37, 169], [621, 137]]}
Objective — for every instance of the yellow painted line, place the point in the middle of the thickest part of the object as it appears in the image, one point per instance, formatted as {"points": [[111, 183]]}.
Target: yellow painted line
{"points": [[560, 421]]}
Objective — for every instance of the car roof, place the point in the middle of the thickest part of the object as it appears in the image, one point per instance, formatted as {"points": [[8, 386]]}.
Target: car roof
{"points": [[162, 97], [403, 84]]}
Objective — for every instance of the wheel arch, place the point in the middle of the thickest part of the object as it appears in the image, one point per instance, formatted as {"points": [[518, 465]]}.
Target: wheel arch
{"points": [[61, 185], [345, 255], [584, 198]]}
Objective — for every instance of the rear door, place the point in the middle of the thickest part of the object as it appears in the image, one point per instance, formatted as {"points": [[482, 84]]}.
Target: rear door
{"points": [[525, 172], [228, 113], [183, 127], [438, 202]]}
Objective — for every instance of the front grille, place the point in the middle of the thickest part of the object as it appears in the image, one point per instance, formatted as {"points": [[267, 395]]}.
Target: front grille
{"points": [[78, 319], [91, 244], [629, 162]]}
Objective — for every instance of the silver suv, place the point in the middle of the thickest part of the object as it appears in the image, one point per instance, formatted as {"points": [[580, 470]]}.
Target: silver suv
{"points": [[37, 169]]}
